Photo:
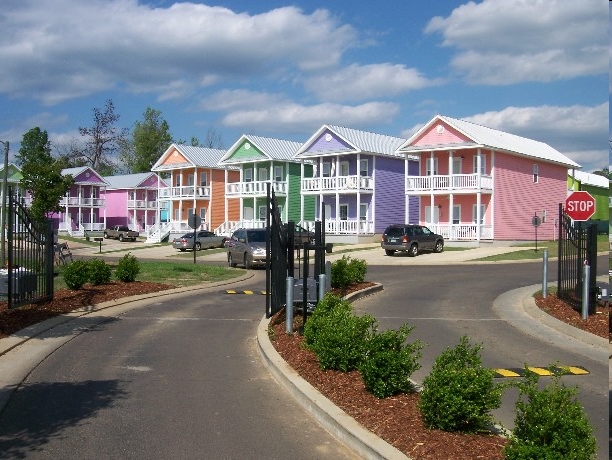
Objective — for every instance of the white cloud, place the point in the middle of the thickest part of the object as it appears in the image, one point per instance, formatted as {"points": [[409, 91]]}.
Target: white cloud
{"points": [[504, 42], [359, 82], [65, 49]]}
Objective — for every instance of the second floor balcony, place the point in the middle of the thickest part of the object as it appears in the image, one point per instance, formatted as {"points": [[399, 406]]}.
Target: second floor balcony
{"points": [[79, 201], [255, 188], [145, 204], [450, 183], [341, 184], [187, 191]]}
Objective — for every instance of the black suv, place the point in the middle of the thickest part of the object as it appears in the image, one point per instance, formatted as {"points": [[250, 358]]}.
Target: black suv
{"points": [[411, 238]]}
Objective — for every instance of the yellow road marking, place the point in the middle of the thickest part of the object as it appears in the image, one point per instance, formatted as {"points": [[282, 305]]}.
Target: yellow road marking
{"points": [[540, 370], [507, 373]]}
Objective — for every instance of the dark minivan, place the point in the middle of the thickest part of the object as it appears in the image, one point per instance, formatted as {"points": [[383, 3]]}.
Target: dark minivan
{"points": [[410, 238]]}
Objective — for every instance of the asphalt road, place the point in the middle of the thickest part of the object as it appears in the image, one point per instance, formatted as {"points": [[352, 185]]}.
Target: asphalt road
{"points": [[445, 302]]}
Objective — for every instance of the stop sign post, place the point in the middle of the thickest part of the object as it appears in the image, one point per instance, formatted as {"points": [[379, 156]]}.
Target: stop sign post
{"points": [[580, 206]]}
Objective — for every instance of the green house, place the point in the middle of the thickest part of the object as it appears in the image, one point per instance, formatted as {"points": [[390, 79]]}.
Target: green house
{"points": [[264, 160], [599, 188]]}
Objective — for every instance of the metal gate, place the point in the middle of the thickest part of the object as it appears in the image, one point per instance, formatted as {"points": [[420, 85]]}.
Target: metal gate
{"points": [[280, 253], [28, 274], [577, 248]]}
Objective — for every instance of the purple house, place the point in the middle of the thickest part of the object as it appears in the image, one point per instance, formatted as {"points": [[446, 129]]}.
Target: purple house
{"points": [[131, 199], [84, 204], [358, 182]]}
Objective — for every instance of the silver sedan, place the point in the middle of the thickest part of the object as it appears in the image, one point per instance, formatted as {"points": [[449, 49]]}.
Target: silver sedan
{"points": [[204, 240]]}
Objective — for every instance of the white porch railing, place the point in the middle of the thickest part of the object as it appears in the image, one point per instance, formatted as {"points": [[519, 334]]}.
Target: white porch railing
{"points": [[228, 227], [255, 188], [348, 227], [337, 184], [80, 201], [189, 191], [157, 232], [447, 183], [459, 232], [141, 204]]}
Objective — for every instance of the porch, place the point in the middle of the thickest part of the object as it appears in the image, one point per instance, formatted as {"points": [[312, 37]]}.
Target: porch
{"points": [[344, 184], [188, 191], [447, 183], [255, 188]]}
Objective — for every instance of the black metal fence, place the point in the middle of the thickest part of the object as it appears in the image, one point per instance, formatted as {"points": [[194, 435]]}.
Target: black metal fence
{"points": [[577, 248], [28, 275]]}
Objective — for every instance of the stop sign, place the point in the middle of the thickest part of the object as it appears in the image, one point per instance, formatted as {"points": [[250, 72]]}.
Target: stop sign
{"points": [[580, 205]]}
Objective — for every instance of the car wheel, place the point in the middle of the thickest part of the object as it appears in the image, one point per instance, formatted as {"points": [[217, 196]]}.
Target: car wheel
{"points": [[247, 261], [121, 238], [414, 250], [389, 252], [198, 246], [182, 249], [230, 260], [105, 235], [439, 246]]}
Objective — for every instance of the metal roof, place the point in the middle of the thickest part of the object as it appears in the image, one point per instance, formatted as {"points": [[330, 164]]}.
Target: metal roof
{"points": [[74, 172], [129, 180], [592, 179], [494, 139], [202, 157], [274, 149]]}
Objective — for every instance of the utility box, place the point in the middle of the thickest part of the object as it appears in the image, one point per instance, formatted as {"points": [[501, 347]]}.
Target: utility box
{"points": [[311, 290]]}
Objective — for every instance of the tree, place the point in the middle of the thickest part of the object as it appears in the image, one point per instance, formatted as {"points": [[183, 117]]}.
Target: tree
{"points": [[102, 143], [150, 139], [42, 176], [604, 172]]}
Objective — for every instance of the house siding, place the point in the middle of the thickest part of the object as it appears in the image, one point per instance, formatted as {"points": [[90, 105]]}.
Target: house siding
{"points": [[517, 198], [390, 193]]}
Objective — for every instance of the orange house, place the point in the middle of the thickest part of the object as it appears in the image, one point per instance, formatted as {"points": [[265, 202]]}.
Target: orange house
{"points": [[196, 186]]}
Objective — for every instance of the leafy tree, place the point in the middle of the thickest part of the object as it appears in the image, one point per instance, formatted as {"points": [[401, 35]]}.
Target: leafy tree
{"points": [[102, 141], [604, 172], [42, 175], [150, 139]]}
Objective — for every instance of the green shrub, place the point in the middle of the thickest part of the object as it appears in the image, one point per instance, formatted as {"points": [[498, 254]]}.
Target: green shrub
{"points": [[76, 274], [336, 335], [388, 362], [346, 271], [98, 272], [128, 268], [459, 393], [550, 423]]}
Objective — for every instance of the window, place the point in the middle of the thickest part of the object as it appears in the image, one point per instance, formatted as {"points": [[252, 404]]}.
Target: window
{"points": [[262, 174], [536, 173], [203, 213], [190, 180], [177, 180], [343, 211], [262, 212], [432, 214], [475, 217], [483, 165], [363, 168], [190, 212], [456, 214], [247, 175], [203, 179], [278, 173], [326, 170], [432, 166], [177, 214], [363, 211], [456, 165], [344, 168]]}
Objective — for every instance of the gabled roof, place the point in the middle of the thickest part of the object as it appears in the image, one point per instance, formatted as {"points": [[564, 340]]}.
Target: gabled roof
{"points": [[357, 140], [481, 136], [131, 180], [592, 179], [79, 170], [273, 149], [202, 157], [14, 172]]}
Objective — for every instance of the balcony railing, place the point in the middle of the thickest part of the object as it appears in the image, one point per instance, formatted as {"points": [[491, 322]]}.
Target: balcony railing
{"points": [[255, 188], [344, 227], [338, 184], [455, 182], [80, 201], [142, 204], [459, 232], [189, 191]]}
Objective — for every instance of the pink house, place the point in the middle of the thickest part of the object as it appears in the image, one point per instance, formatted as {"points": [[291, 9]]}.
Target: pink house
{"points": [[131, 199], [476, 183]]}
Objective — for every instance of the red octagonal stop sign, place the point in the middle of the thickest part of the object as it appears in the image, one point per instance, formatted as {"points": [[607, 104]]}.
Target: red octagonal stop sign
{"points": [[580, 205]]}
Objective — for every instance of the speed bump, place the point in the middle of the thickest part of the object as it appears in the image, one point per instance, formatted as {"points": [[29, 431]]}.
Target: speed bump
{"points": [[541, 371], [231, 291]]}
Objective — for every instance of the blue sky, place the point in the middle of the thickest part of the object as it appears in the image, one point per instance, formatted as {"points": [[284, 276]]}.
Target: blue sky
{"points": [[535, 68]]}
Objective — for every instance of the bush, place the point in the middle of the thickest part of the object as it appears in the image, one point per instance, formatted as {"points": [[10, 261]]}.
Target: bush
{"points": [[128, 268], [459, 393], [388, 362], [346, 271], [336, 335], [76, 274], [98, 272], [550, 424]]}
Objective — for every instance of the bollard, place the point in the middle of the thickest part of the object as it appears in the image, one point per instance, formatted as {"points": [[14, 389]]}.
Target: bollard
{"points": [[545, 274], [322, 286], [585, 290], [328, 265], [289, 306]]}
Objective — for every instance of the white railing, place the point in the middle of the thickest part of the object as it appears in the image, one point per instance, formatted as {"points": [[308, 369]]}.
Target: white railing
{"points": [[338, 184], [80, 201], [141, 204], [258, 188], [349, 227], [458, 232], [448, 183], [189, 191], [227, 227]]}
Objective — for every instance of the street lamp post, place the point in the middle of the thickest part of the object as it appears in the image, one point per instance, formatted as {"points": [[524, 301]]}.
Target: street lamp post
{"points": [[3, 208]]}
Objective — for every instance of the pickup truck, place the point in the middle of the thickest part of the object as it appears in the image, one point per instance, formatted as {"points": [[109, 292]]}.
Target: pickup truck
{"points": [[120, 232]]}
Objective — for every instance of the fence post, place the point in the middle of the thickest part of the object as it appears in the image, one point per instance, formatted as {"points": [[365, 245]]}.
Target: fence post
{"points": [[289, 306], [586, 273], [322, 286], [545, 274]]}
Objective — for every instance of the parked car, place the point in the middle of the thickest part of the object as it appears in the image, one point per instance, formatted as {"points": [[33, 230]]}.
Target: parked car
{"points": [[204, 240], [410, 238], [301, 235], [120, 232], [247, 247]]}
